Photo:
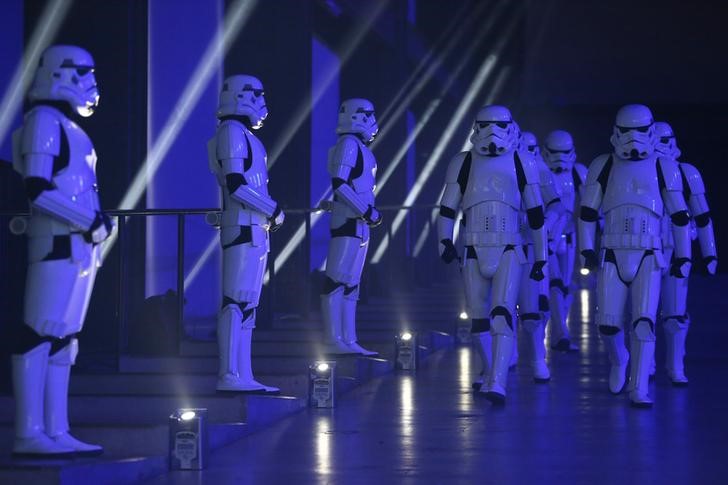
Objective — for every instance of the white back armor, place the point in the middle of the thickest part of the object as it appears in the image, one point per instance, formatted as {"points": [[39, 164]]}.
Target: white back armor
{"points": [[235, 140], [48, 131], [362, 178]]}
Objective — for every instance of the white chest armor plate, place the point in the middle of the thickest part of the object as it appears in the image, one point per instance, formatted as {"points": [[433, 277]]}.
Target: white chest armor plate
{"points": [[77, 180], [633, 183], [492, 179], [565, 184], [492, 202], [256, 175]]}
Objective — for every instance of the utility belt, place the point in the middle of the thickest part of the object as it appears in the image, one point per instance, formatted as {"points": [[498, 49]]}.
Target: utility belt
{"points": [[491, 238], [631, 241], [242, 217], [353, 227]]}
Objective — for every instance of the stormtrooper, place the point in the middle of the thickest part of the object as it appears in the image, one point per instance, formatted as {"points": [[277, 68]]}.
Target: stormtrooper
{"points": [[533, 301], [674, 316], [238, 160], [569, 177], [58, 163], [492, 183], [632, 187], [353, 170]]}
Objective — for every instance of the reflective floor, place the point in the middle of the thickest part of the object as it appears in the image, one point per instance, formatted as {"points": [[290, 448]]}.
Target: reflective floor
{"points": [[428, 427]]}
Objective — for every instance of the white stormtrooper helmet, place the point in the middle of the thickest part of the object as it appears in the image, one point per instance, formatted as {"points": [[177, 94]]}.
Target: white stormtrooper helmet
{"points": [[559, 151], [634, 132], [243, 95], [66, 73], [666, 144], [356, 116], [494, 131], [528, 142]]}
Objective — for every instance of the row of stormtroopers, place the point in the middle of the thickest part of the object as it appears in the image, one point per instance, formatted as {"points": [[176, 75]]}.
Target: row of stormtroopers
{"points": [[238, 159], [641, 189], [493, 183]]}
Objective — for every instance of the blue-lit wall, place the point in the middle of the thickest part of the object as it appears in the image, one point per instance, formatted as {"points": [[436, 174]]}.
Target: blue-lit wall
{"points": [[179, 34]]}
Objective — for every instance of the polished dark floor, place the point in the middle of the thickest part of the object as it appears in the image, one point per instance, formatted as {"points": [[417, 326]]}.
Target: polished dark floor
{"points": [[428, 427]]}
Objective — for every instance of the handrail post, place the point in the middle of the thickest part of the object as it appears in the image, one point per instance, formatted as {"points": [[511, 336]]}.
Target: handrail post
{"points": [[180, 277], [122, 336], [307, 268]]}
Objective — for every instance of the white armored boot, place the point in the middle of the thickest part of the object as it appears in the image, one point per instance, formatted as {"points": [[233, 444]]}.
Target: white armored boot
{"points": [[676, 332], [618, 358], [559, 330], [483, 344], [29, 379], [495, 389], [535, 329], [56, 401], [228, 338], [643, 351], [349, 325], [332, 312], [247, 382]]}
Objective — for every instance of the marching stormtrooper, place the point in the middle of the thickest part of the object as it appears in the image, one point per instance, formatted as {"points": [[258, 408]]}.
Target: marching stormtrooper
{"points": [[632, 187], [238, 160], [492, 183], [58, 163], [569, 177], [674, 316], [533, 300], [353, 170]]}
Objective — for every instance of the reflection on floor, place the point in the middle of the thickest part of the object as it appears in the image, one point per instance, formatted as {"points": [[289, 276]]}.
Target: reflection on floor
{"points": [[428, 427]]}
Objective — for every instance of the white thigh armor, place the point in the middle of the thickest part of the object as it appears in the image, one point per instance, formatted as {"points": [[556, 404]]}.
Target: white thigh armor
{"points": [[244, 264]]}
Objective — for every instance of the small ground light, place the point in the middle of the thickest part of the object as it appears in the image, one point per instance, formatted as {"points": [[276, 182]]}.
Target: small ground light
{"points": [[322, 384], [188, 439], [463, 315], [584, 271], [405, 351]]}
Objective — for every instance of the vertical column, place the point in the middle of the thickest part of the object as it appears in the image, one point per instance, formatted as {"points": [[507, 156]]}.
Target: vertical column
{"points": [[324, 116], [179, 34]]}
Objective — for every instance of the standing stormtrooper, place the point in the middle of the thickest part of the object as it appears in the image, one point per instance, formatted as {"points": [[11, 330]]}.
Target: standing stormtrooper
{"points": [[492, 183], [569, 177], [353, 170], [674, 316], [533, 300], [58, 162], [633, 187], [238, 160]]}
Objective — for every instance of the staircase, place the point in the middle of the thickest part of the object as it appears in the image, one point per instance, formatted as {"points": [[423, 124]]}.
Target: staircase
{"points": [[127, 411]]}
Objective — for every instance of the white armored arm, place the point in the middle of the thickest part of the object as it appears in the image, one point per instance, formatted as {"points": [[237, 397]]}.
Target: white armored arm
{"points": [[343, 160], [698, 204], [528, 183], [235, 157], [671, 188], [455, 183], [592, 193]]}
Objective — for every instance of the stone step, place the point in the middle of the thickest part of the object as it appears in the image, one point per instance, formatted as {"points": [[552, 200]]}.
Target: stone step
{"points": [[135, 410], [348, 365]]}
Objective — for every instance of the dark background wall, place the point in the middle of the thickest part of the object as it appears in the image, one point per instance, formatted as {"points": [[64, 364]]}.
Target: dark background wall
{"points": [[570, 64]]}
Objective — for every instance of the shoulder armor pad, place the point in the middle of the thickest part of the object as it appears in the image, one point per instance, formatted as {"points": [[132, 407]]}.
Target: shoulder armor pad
{"points": [[692, 178], [345, 152], [581, 170], [528, 163], [231, 140], [595, 168], [41, 132], [453, 168], [670, 173]]}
